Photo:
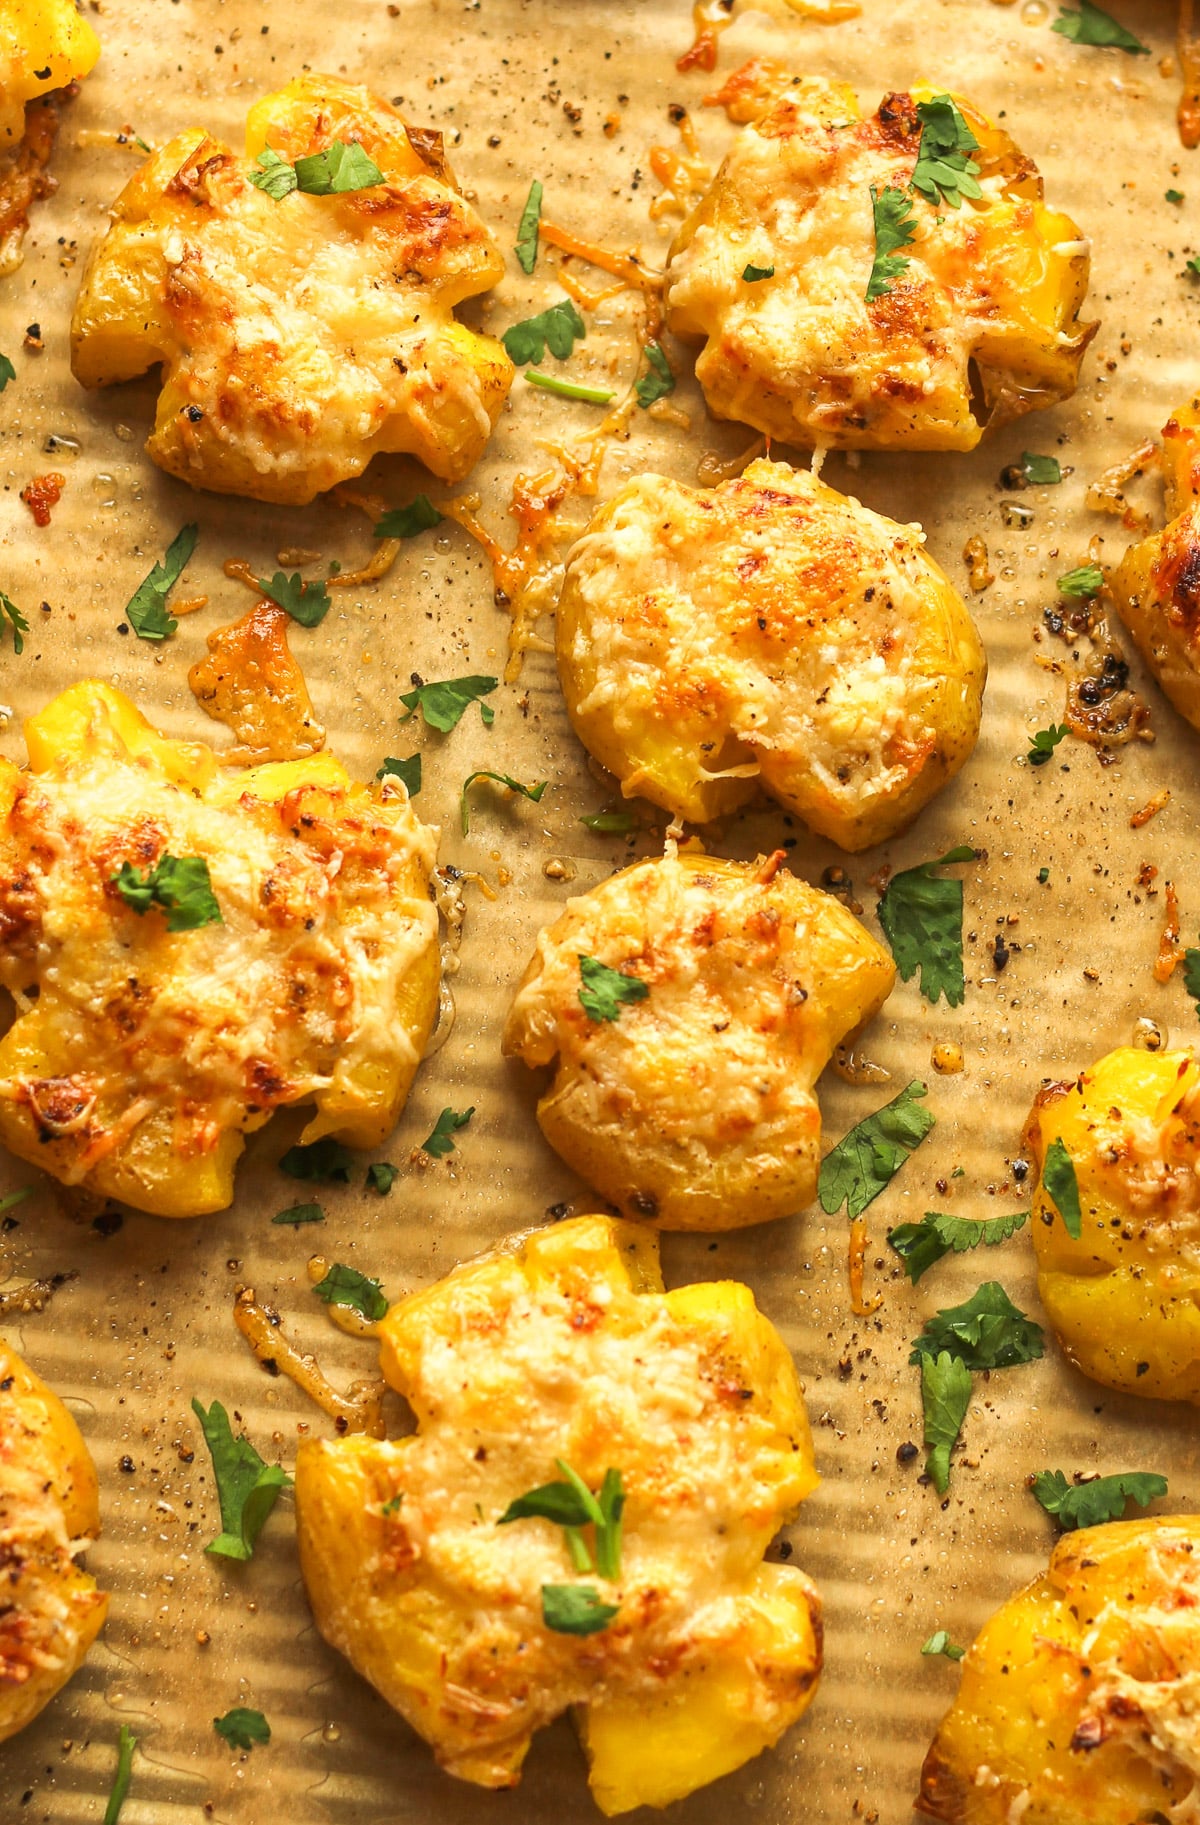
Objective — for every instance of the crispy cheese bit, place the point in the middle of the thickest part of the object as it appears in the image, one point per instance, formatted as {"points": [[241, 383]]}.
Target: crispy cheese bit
{"points": [[1170, 951], [559, 1354], [1107, 493], [150, 1050], [684, 175], [359, 1410], [303, 334], [859, 1305], [252, 683], [1150, 809]]}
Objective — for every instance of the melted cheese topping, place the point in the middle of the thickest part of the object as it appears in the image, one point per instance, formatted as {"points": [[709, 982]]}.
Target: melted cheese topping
{"points": [[802, 355], [296, 995], [774, 622], [298, 337], [751, 981], [562, 1346]]}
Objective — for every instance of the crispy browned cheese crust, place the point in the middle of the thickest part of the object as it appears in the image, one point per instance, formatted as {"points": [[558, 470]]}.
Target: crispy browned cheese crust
{"points": [[1156, 587], [563, 1345]]}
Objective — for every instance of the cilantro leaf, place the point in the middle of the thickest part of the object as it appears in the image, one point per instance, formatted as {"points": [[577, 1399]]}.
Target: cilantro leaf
{"points": [[658, 380], [323, 1159], [1193, 265], [247, 1488], [919, 1245], [1090, 1504], [921, 915], [940, 1643], [568, 389], [119, 1792], [394, 1504], [381, 1176], [868, 1158], [945, 1397], [442, 705], [448, 1123], [527, 230], [571, 1505], [501, 779], [1173, 196], [617, 823], [242, 1728], [558, 328], [408, 772], [945, 170], [346, 1286], [605, 991], [179, 885], [296, 1214], [1085, 581], [307, 603], [10, 612], [275, 177], [1191, 975], [894, 228], [147, 606], [1059, 1181], [1092, 25], [575, 1609], [1040, 471], [1044, 742], [752, 274], [7, 372], [406, 522], [987, 1331]]}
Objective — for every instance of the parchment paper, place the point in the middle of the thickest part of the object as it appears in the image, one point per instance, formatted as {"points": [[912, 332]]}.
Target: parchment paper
{"points": [[147, 1322]]}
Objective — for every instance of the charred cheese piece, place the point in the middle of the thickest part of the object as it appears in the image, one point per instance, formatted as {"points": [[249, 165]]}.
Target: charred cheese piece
{"points": [[992, 290], [45, 45], [1125, 1297], [563, 1345], [1156, 587], [297, 338], [50, 1610], [694, 1106], [140, 1056], [1079, 1700], [768, 632]]}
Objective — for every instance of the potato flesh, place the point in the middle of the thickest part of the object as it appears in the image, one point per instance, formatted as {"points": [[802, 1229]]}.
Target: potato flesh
{"points": [[44, 45], [768, 632], [1124, 1299], [273, 319], [695, 1107], [1156, 587], [148, 1055], [996, 285], [49, 1512], [1102, 1651], [563, 1344]]}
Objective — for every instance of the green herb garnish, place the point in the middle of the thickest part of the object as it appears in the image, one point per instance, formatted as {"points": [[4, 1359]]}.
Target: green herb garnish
{"points": [[11, 613], [921, 915], [334, 172], [527, 231], [441, 1141], [987, 1331], [408, 772], [1059, 1181], [1040, 471], [307, 603], [945, 171], [147, 607], [1092, 25], [1090, 1504], [571, 1505], [658, 380], [940, 1643], [247, 1488], [323, 1159], [610, 823], [575, 1609], [501, 779], [1043, 744], [894, 228], [119, 1792], [605, 991], [442, 705], [346, 1286], [567, 389], [242, 1728], [295, 1214], [752, 274], [7, 372], [920, 1245], [178, 885], [868, 1158], [406, 522], [1083, 582], [381, 1176], [558, 328]]}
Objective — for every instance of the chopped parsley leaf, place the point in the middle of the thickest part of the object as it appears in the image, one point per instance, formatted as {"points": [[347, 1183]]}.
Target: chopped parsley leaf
{"points": [[1092, 25], [339, 169], [605, 991], [147, 606], [406, 522], [920, 1245], [443, 704], [575, 1609], [1173, 196], [441, 1141], [502, 779], [323, 1159], [571, 1505], [11, 613], [178, 885], [307, 603], [408, 772], [295, 1214], [242, 1728], [945, 171], [1041, 471], [119, 1792], [381, 1176], [940, 1643], [1090, 1504], [1191, 975], [247, 1488], [945, 1397], [527, 231], [1043, 744], [921, 915], [7, 372], [1060, 1183], [868, 1158], [987, 1331], [894, 228], [611, 823], [346, 1286], [752, 274], [658, 380], [558, 328]]}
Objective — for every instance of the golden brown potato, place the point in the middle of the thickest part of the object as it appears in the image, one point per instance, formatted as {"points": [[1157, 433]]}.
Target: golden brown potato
{"points": [[45, 46], [141, 1055], [992, 288], [297, 337], [1077, 1704], [1125, 1297], [768, 632], [561, 1347], [1156, 587], [49, 1513], [694, 1106]]}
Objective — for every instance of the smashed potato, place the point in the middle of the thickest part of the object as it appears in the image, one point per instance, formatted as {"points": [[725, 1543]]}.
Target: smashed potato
{"points": [[45, 46], [769, 631], [1156, 586], [1077, 1704], [1125, 1297], [49, 1513], [297, 337], [561, 1347], [991, 292], [144, 1049], [694, 1105]]}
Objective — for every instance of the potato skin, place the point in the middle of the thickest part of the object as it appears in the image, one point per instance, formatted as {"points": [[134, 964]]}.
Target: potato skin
{"points": [[1062, 1688], [49, 1512], [562, 1343], [1123, 1299], [298, 338], [802, 355], [148, 1055], [695, 1108], [768, 632], [44, 45], [1156, 586]]}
